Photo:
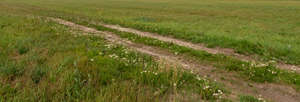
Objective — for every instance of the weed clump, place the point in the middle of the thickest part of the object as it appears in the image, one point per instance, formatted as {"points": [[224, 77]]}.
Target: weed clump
{"points": [[11, 70], [22, 50], [37, 74]]}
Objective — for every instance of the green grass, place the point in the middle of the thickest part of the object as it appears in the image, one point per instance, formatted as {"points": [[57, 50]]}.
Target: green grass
{"points": [[42, 61], [269, 28], [249, 99], [249, 70]]}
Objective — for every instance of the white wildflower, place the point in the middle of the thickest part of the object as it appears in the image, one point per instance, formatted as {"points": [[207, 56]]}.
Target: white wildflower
{"points": [[262, 65], [220, 96], [176, 53], [126, 52], [272, 61], [294, 68], [192, 71], [108, 46], [198, 78], [113, 56], [289, 46], [206, 87], [220, 92]]}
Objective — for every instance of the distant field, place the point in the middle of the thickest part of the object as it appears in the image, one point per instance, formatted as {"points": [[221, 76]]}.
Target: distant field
{"points": [[269, 28], [52, 61]]}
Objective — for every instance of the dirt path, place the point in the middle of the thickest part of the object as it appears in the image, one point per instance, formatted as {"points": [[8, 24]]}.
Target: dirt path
{"points": [[225, 51], [273, 92]]}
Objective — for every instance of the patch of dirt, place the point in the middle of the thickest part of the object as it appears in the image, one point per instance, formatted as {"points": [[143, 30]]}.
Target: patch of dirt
{"points": [[225, 51], [238, 86]]}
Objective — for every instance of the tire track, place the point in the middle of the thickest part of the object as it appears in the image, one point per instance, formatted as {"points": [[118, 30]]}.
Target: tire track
{"points": [[274, 92], [225, 51]]}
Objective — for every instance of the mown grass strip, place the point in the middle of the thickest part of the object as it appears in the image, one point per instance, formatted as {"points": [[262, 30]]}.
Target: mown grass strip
{"points": [[255, 72]]}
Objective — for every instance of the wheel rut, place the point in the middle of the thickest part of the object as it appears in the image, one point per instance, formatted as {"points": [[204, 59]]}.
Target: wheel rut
{"points": [[225, 51], [238, 86]]}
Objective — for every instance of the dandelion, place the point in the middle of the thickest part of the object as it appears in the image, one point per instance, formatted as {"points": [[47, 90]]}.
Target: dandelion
{"points": [[92, 60]]}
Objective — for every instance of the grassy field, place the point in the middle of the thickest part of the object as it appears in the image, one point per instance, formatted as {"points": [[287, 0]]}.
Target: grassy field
{"points": [[269, 28], [41, 60], [251, 71]]}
